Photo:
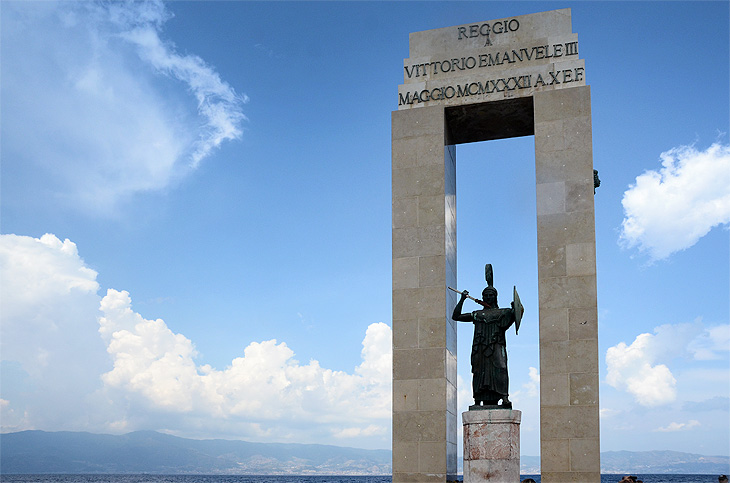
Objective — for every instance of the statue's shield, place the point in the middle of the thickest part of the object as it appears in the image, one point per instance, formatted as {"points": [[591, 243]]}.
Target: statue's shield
{"points": [[519, 310]]}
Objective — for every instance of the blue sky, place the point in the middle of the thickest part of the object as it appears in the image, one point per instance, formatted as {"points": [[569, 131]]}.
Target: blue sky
{"points": [[196, 218]]}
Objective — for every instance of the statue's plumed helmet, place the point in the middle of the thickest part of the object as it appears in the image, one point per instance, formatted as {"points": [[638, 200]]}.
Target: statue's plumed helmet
{"points": [[489, 292]]}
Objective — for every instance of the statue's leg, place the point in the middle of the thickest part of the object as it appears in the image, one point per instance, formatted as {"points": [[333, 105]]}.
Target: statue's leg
{"points": [[491, 397], [478, 398], [475, 389]]}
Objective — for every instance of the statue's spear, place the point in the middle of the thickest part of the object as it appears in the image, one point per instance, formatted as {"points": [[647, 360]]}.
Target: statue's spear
{"points": [[480, 302]]}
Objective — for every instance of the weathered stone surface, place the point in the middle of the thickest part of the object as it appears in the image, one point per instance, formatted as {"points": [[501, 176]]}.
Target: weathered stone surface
{"points": [[419, 363], [492, 445], [555, 453], [582, 323], [405, 272], [554, 389], [584, 455], [583, 389], [432, 332], [554, 324], [569, 422]]}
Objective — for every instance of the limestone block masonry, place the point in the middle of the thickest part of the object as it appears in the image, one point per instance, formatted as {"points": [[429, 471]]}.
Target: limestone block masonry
{"points": [[492, 446], [424, 263], [494, 79]]}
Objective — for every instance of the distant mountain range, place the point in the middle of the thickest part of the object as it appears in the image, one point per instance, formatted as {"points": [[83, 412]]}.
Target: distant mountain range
{"points": [[157, 453], [150, 452], [652, 462]]}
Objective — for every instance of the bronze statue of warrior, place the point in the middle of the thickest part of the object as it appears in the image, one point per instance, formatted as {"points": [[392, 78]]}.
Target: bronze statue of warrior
{"points": [[490, 382]]}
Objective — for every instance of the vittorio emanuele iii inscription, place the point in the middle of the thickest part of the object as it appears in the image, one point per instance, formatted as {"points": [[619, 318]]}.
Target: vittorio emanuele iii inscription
{"points": [[513, 57], [491, 59]]}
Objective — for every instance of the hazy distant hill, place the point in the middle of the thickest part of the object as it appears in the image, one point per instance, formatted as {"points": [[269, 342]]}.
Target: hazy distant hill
{"points": [[648, 462], [663, 462], [156, 453], [152, 452]]}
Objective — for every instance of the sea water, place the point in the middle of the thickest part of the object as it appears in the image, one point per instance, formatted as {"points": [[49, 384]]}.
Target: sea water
{"points": [[655, 478]]}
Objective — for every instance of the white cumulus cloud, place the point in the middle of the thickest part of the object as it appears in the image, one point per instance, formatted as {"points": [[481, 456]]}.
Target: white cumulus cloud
{"points": [[156, 368], [98, 106], [641, 368], [632, 368], [673, 426], [51, 353], [72, 360], [669, 210]]}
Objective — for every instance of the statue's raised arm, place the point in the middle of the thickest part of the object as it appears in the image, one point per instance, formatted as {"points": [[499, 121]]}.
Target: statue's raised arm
{"points": [[457, 315]]}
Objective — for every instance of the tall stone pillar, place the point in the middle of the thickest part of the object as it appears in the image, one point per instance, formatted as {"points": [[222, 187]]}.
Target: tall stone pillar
{"points": [[424, 264], [569, 423]]}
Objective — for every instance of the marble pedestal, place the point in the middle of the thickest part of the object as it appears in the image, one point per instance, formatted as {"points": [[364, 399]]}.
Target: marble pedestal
{"points": [[492, 446]]}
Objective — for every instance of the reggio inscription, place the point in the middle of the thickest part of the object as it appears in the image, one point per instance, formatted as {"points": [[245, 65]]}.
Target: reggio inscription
{"points": [[483, 30]]}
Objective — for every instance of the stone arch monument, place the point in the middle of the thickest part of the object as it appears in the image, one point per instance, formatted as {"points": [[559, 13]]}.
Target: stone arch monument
{"points": [[489, 80]]}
